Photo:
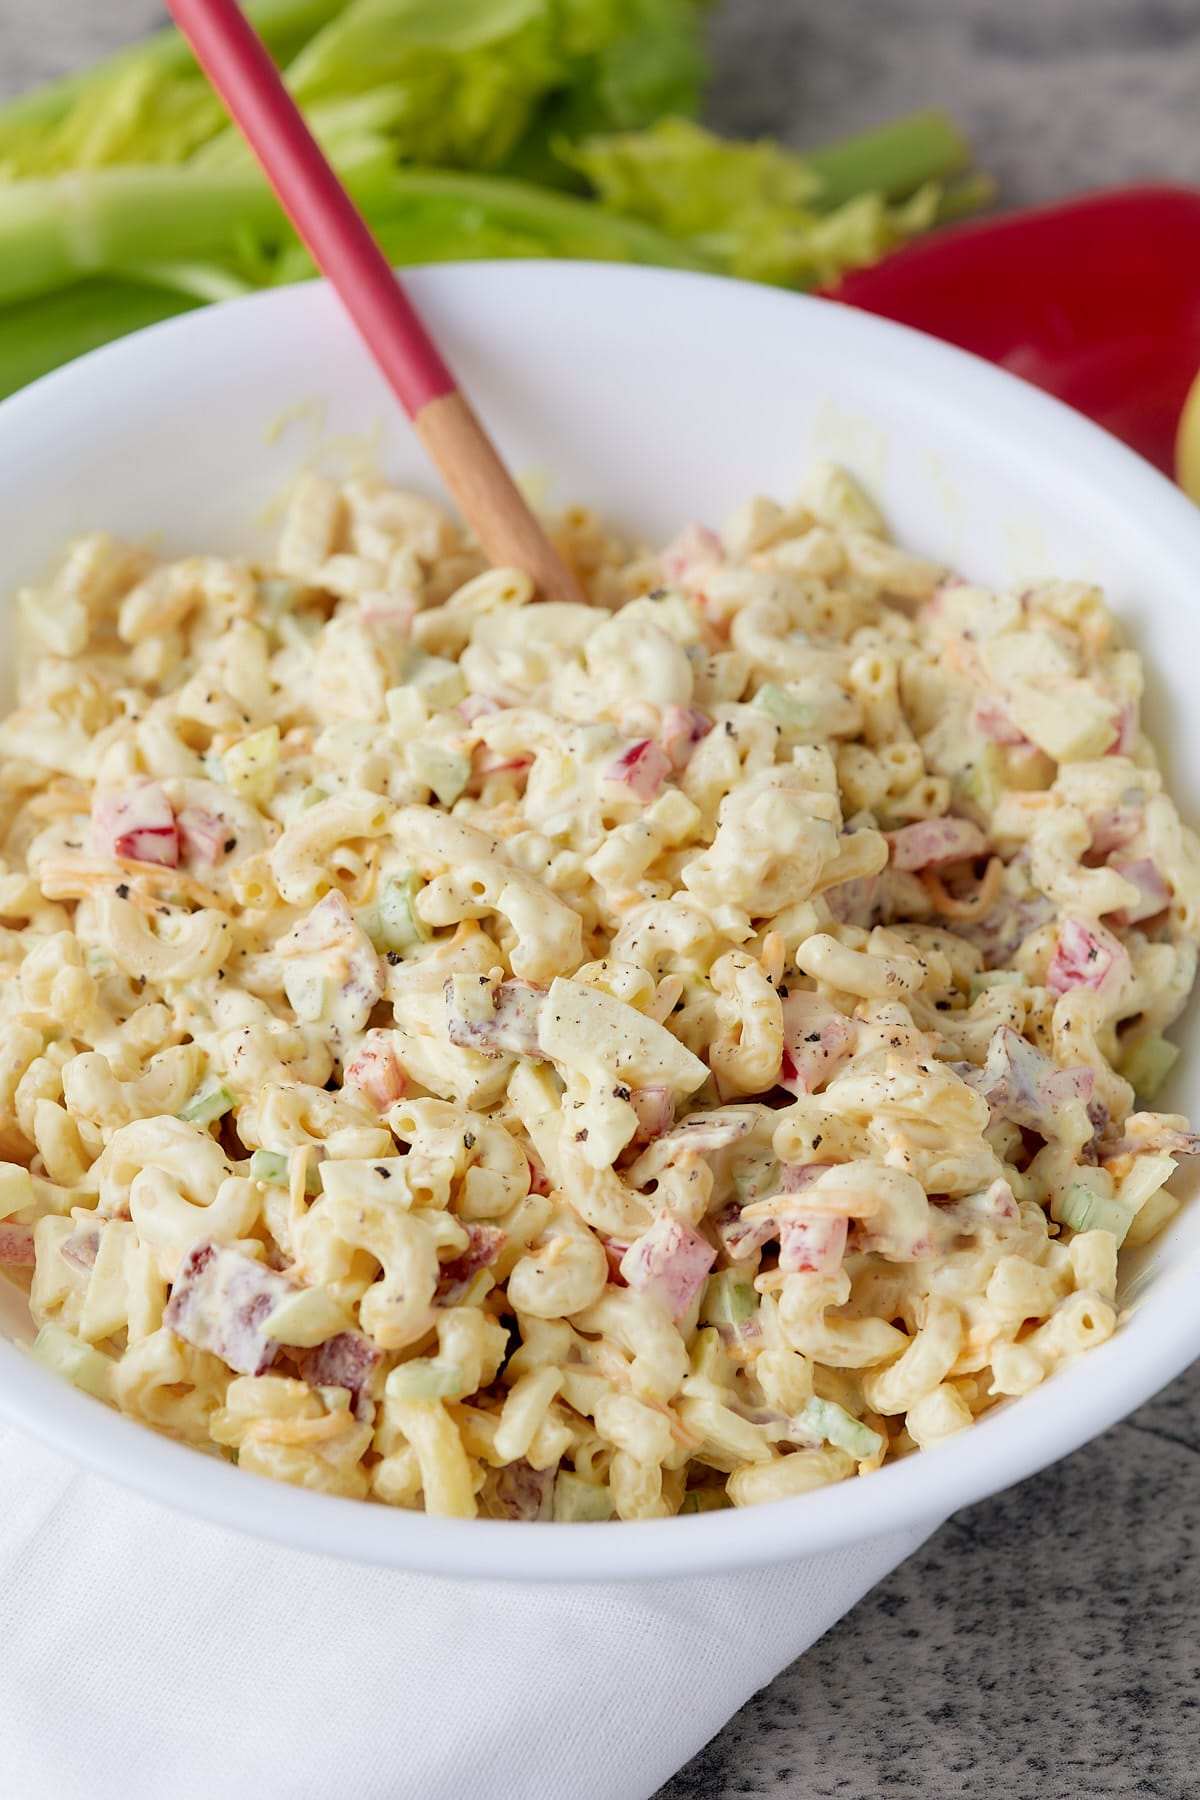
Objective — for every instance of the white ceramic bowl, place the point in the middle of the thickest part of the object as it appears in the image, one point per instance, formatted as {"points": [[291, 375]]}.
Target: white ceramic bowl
{"points": [[656, 398]]}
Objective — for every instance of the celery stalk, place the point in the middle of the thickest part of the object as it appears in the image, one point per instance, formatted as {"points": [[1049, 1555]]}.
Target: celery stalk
{"points": [[429, 215], [99, 221], [284, 25], [893, 159], [705, 1499], [39, 335], [212, 1100], [967, 194], [54, 231], [1147, 1065], [269, 1166]]}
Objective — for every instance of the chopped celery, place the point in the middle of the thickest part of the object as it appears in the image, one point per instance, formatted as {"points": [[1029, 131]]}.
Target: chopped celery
{"points": [[728, 1299], [392, 924], [272, 1167], [277, 594], [269, 1166], [981, 782], [84, 1366], [993, 978], [755, 1178], [765, 212], [444, 770], [425, 1378], [42, 333], [440, 682], [16, 1189], [251, 764], [212, 1100], [1081, 1208], [707, 1499], [709, 1361], [1148, 1174], [1148, 1064], [841, 1429], [307, 992], [33, 123], [407, 713], [458, 124], [784, 707], [897, 157], [578, 1501]]}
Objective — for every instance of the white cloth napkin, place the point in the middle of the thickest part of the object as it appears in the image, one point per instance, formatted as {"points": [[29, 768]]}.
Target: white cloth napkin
{"points": [[147, 1656]]}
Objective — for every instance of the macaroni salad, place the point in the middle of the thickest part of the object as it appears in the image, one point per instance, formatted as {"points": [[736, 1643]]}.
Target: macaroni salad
{"points": [[559, 1061]]}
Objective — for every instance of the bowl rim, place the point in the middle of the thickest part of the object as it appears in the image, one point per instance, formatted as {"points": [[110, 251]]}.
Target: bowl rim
{"points": [[1010, 1443]]}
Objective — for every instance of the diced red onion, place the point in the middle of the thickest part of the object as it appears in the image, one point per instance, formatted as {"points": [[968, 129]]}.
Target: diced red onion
{"points": [[740, 1237], [683, 727], [655, 1109], [1112, 827], [1154, 1134], [995, 1206], [497, 762], [1023, 1085], [854, 902], [476, 706], [1086, 956], [82, 1247], [1126, 731], [1155, 894], [388, 612], [641, 768], [204, 837], [704, 1131]]}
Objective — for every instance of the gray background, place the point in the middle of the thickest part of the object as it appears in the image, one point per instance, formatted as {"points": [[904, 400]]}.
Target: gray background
{"points": [[1044, 1645]]}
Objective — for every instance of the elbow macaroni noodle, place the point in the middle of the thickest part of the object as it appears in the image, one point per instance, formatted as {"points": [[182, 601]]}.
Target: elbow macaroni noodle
{"points": [[561, 1062]]}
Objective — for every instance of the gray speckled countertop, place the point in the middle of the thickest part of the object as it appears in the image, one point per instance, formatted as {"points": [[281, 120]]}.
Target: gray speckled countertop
{"points": [[1044, 1645]]}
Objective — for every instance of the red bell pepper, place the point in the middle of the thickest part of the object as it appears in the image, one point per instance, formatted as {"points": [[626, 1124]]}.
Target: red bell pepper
{"points": [[1096, 300]]}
